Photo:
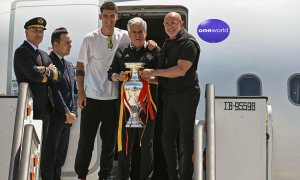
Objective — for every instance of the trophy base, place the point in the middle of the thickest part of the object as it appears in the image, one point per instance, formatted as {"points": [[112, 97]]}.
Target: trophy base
{"points": [[134, 123]]}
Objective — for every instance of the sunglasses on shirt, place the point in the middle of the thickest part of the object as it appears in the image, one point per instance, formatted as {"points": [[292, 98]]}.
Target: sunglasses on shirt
{"points": [[110, 44]]}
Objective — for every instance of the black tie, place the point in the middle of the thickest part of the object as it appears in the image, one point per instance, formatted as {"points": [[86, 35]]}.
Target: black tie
{"points": [[66, 74], [39, 57]]}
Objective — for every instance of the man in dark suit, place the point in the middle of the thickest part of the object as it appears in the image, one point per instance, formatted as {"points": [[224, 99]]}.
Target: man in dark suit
{"points": [[65, 107], [34, 67]]}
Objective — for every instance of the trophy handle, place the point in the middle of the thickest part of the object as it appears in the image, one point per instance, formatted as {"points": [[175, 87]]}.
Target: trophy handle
{"points": [[128, 74]]}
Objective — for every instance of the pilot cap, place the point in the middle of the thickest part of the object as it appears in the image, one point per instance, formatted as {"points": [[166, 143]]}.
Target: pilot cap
{"points": [[37, 22]]}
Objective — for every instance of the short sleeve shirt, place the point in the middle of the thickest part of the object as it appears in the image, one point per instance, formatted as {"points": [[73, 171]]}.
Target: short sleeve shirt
{"points": [[173, 50], [97, 57]]}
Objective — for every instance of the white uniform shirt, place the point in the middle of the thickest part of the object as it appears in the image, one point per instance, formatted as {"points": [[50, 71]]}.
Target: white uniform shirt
{"points": [[97, 58]]}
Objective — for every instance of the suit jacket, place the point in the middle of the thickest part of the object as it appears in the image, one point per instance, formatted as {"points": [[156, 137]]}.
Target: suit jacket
{"points": [[25, 67], [65, 91]]}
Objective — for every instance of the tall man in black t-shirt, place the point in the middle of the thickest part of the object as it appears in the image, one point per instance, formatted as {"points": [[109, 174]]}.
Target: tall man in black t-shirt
{"points": [[178, 80]]}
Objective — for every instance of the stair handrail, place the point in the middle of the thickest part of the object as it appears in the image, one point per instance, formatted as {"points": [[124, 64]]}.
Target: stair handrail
{"points": [[211, 135], [18, 130]]}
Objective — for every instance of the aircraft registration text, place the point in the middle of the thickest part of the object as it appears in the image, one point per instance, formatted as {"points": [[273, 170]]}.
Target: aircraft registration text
{"points": [[239, 106]]}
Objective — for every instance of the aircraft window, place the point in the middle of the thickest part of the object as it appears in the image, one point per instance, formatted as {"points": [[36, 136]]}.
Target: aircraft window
{"points": [[294, 89], [249, 85]]}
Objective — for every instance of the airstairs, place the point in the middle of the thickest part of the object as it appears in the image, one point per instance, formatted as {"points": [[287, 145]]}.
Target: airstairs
{"points": [[235, 141], [24, 161]]}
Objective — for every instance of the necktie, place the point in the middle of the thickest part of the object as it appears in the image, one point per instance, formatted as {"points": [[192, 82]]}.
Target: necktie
{"points": [[66, 74], [39, 57]]}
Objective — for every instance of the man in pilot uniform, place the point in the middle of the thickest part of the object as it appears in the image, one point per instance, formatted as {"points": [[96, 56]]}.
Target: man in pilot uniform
{"points": [[33, 66]]}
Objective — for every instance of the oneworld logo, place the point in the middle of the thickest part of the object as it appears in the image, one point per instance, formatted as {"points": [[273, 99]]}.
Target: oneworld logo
{"points": [[213, 30]]}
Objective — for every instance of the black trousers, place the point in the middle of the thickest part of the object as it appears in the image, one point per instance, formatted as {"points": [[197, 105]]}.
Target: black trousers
{"points": [[179, 112], [137, 164], [160, 169], [96, 111], [45, 126], [56, 146]]}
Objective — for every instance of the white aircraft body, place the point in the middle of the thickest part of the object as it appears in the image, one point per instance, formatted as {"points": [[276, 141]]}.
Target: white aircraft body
{"points": [[248, 48]]}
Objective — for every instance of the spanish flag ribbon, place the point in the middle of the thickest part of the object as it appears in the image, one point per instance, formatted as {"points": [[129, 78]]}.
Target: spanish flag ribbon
{"points": [[145, 95], [121, 117]]}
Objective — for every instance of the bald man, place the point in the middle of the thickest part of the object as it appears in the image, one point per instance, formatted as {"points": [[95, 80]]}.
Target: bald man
{"points": [[178, 80]]}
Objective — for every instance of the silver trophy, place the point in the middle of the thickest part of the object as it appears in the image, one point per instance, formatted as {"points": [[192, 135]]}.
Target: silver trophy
{"points": [[132, 89]]}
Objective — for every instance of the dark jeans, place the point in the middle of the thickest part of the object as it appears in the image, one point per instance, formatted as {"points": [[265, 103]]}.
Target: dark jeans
{"points": [[179, 111], [143, 164], [96, 111], [56, 146]]}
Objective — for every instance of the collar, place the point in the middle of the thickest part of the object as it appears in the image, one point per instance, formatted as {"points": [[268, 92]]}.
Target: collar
{"points": [[59, 57], [133, 48], [33, 46], [105, 36]]}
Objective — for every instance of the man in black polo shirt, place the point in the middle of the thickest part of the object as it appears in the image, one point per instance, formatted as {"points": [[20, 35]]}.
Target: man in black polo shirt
{"points": [[178, 80]]}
